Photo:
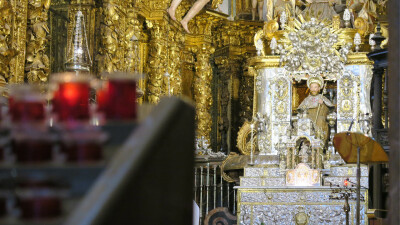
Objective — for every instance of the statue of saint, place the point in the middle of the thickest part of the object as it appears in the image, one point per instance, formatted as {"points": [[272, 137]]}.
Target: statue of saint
{"points": [[303, 153], [197, 6], [317, 107], [319, 9]]}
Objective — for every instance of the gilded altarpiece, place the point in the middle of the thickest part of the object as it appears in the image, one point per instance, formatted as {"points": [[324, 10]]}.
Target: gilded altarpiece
{"points": [[295, 176]]}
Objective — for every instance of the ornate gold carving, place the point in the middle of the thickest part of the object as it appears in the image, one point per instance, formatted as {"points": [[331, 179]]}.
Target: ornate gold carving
{"points": [[132, 35], [112, 32], [202, 90], [175, 45], [264, 61], [232, 156], [18, 37], [359, 58], [37, 61], [157, 58], [6, 50], [244, 139], [362, 25], [270, 28]]}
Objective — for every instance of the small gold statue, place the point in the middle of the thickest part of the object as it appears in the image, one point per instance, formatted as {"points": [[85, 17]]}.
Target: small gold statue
{"points": [[317, 107]]}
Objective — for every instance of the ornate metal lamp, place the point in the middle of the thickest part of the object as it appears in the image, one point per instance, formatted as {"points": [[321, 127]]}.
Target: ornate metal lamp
{"points": [[78, 55]]}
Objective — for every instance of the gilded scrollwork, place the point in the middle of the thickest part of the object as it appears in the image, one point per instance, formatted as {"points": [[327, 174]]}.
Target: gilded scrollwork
{"points": [[37, 62]]}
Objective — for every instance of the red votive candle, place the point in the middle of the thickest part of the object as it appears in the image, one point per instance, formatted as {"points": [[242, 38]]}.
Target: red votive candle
{"points": [[82, 151], [73, 102], [118, 99], [40, 199], [101, 97], [83, 145], [27, 110], [121, 99], [26, 103], [71, 98], [33, 146]]}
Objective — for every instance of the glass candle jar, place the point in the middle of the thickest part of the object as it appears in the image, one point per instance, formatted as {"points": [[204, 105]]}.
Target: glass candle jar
{"points": [[26, 103], [117, 99], [40, 198], [33, 146], [83, 145], [71, 94]]}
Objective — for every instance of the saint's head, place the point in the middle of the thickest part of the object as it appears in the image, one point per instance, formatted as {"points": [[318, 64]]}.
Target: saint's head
{"points": [[314, 88], [315, 84]]}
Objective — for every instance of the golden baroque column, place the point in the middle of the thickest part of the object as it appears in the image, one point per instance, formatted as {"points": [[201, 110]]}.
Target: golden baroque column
{"points": [[202, 91], [15, 54], [37, 65], [132, 35], [157, 57], [112, 51], [7, 52], [174, 63]]}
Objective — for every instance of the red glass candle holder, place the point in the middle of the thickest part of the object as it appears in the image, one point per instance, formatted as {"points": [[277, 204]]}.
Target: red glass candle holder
{"points": [[83, 146], [40, 199], [71, 96], [26, 103], [118, 98], [33, 146]]}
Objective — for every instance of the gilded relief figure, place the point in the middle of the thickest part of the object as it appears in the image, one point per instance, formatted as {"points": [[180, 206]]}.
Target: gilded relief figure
{"points": [[197, 6], [317, 107]]}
